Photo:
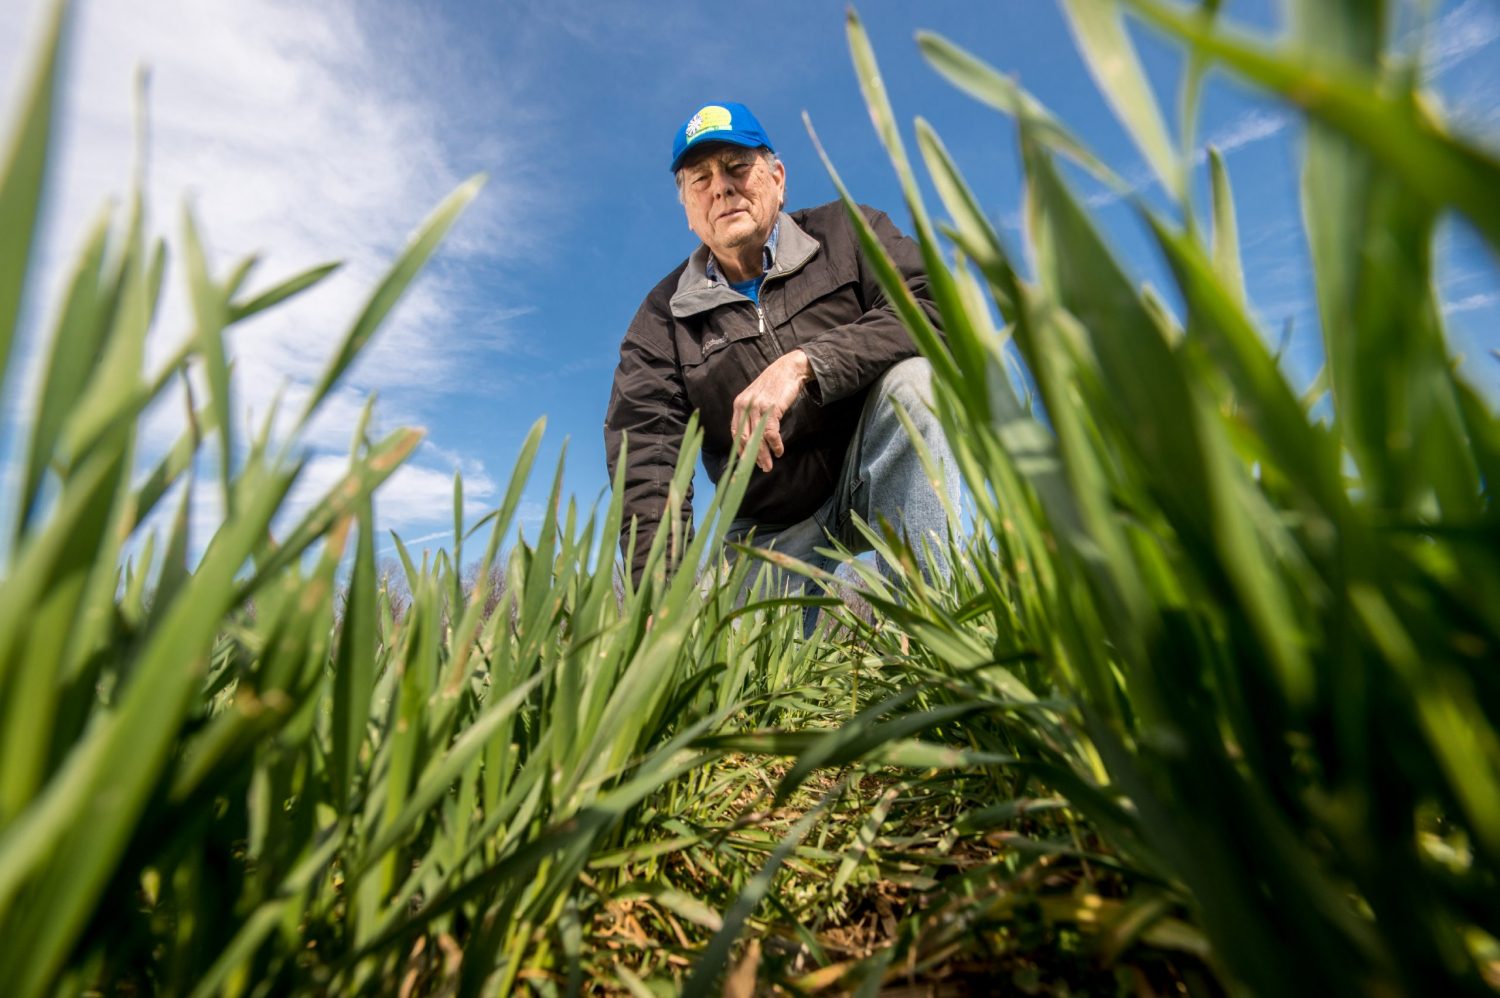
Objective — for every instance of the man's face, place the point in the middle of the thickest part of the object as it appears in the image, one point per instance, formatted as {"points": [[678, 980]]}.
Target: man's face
{"points": [[731, 195]]}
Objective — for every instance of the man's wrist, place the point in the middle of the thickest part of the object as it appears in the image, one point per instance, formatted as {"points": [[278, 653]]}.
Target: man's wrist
{"points": [[805, 373], [811, 385]]}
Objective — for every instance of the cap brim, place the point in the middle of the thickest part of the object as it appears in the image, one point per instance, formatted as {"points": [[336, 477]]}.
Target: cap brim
{"points": [[713, 138]]}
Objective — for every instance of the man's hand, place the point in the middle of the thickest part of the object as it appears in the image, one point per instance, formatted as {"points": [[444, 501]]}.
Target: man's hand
{"points": [[769, 395]]}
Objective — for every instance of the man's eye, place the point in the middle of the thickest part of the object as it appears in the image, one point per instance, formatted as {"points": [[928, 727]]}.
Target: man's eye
{"points": [[700, 180]]}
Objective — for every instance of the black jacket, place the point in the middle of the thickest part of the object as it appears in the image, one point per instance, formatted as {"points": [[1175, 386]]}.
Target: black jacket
{"points": [[696, 344]]}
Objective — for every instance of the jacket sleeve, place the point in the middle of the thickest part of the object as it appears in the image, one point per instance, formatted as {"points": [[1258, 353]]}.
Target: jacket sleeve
{"points": [[848, 358], [647, 416]]}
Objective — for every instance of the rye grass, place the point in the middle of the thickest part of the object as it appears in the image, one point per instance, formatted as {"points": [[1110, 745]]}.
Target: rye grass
{"points": [[1209, 702], [1274, 614]]}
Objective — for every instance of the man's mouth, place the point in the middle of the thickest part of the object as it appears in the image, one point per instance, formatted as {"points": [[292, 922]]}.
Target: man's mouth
{"points": [[731, 213]]}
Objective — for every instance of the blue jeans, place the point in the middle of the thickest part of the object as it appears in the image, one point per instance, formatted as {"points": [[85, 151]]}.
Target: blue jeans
{"points": [[882, 476]]}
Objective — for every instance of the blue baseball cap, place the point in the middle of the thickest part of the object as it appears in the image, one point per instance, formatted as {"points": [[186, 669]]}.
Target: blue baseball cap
{"points": [[726, 122]]}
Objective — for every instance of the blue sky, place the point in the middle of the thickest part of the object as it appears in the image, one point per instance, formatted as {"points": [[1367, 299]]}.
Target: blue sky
{"points": [[307, 132]]}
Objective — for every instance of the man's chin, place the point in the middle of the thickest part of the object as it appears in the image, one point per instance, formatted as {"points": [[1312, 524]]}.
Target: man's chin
{"points": [[737, 235]]}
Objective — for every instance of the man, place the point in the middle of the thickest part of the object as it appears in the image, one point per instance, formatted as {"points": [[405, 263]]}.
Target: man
{"points": [[774, 316]]}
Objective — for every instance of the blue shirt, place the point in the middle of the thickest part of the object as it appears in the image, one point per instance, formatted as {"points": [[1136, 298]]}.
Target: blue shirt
{"points": [[751, 288]]}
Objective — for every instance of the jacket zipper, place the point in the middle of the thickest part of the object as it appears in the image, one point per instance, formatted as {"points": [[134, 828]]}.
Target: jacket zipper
{"points": [[760, 315]]}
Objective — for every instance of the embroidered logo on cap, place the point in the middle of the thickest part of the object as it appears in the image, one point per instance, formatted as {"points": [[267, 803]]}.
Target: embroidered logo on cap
{"points": [[712, 118]]}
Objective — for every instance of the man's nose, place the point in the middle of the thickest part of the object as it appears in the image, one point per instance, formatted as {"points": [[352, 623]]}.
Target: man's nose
{"points": [[723, 183]]}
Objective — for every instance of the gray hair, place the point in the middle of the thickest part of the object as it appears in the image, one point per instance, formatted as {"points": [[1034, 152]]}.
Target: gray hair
{"points": [[765, 153]]}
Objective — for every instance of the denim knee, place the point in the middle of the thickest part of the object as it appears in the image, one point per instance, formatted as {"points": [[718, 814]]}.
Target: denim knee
{"points": [[908, 382], [909, 385]]}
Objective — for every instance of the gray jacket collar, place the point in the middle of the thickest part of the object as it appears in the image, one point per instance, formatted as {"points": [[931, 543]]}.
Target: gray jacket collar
{"points": [[697, 293]]}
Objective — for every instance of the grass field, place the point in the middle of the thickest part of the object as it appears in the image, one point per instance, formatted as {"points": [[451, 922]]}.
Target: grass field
{"points": [[1210, 705]]}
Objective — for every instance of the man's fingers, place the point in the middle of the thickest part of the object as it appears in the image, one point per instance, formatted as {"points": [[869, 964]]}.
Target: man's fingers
{"points": [[769, 395], [750, 408], [772, 446], [742, 425], [773, 438], [770, 443], [747, 428], [762, 453], [737, 423], [747, 416]]}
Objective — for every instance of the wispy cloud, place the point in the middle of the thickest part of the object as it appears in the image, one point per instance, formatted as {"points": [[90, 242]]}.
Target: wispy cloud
{"points": [[529, 518], [295, 133], [1251, 127], [1255, 125], [410, 542], [1472, 303], [1463, 32], [417, 493], [1471, 29], [1459, 34]]}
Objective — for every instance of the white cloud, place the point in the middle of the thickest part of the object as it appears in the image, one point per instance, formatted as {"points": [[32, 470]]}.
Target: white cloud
{"points": [[1250, 127], [1461, 33], [1467, 29], [529, 517], [464, 464], [1471, 303], [416, 495], [309, 133], [410, 542]]}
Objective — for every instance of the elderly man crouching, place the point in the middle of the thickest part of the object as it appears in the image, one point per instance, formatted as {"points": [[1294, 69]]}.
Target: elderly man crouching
{"points": [[775, 315]]}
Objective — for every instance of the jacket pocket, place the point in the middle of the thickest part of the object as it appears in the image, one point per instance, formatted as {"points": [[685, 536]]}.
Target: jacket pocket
{"points": [[697, 346], [822, 279], [717, 363]]}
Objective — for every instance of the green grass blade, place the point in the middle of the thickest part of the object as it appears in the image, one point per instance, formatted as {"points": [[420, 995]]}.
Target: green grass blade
{"points": [[1350, 32], [365, 476], [353, 676], [1226, 235], [90, 303], [985, 84], [24, 172], [1261, 390], [170, 469], [1099, 30], [210, 313], [1445, 170], [1189, 97], [275, 295], [960, 338], [86, 814], [900, 295], [261, 922], [458, 539], [440, 774], [117, 393], [709, 965], [973, 233]]}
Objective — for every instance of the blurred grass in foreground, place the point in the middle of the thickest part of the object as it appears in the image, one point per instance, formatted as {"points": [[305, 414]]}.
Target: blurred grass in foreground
{"points": [[1209, 704], [1279, 630]]}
